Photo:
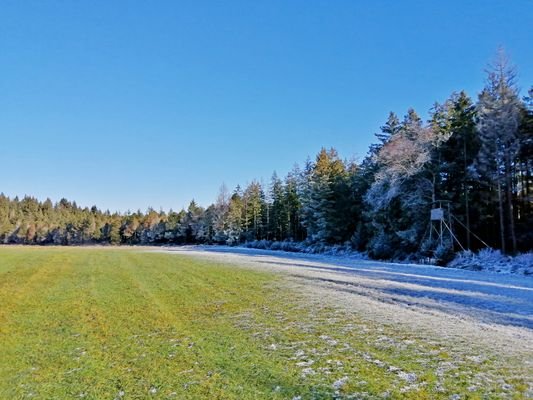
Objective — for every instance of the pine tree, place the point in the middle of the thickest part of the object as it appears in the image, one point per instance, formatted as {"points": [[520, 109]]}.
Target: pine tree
{"points": [[235, 217], [457, 146], [220, 216], [326, 200], [293, 189], [254, 210], [278, 223], [524, 172], [498, 111]]}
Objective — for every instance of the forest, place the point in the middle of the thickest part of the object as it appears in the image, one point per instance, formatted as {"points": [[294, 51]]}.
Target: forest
{"points": [[475, 154]]}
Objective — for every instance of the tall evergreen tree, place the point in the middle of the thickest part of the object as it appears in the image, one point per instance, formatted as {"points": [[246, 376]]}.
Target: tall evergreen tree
{"points": [[498, 111], [277, 224]]}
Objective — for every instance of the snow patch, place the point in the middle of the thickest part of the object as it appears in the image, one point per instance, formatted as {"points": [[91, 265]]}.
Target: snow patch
{"points": [[408, 377], [494, 261], [340, 383]]}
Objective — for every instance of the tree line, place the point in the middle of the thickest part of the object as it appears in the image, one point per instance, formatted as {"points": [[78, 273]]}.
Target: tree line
{"points": [[476, 155]]}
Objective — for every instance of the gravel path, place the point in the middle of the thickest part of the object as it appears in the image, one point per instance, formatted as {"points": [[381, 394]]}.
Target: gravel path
{"points": [[464, 307]]}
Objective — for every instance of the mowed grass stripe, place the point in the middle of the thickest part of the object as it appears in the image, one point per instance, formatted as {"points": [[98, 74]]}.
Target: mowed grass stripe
{"points": [[119, 321], [22, 283], [38, 325], [220, 349]]}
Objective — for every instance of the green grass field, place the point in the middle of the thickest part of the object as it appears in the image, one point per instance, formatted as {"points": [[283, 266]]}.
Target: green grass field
{"points": [[123, 324]]}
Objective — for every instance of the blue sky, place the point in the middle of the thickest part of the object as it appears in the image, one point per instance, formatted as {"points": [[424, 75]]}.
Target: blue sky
{"points": [[134, 104]]}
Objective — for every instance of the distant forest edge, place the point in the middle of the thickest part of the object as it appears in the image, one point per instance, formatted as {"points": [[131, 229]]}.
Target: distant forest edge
{"points": [[476, 155]]}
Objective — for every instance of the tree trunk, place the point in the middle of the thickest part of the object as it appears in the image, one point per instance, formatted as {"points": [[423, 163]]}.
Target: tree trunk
{"points": [[509, 190], [500, 207], [467, 215], [526, 179], [467, 206]]}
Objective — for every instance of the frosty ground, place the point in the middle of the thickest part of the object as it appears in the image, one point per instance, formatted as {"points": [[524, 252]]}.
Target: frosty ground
{"points": [[215, 322], [477, 296], [463, 308]]}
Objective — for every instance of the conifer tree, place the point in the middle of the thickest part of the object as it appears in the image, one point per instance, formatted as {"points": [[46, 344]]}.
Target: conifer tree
{"points": [[498, 112]]}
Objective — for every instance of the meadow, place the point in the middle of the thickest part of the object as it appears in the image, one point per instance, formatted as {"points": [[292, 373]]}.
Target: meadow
{"points": [[130, 324]]}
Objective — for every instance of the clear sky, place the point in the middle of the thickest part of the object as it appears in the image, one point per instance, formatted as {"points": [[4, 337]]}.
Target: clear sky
{"points": [[128, 104]]}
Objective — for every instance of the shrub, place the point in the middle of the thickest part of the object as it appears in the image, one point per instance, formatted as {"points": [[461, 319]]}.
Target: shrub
{"points": [[494, 260], [380, 248], [444, 253], [523, 264]]}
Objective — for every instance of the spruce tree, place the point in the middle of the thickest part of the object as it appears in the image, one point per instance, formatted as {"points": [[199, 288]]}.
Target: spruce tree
{"points": [[498, 112]]}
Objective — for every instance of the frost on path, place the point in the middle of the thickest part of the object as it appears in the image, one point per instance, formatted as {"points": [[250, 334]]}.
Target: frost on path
{"points": [[480, 316], [449, 302]]}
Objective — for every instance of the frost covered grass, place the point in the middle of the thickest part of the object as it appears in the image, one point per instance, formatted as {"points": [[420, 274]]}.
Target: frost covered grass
{"points": [[120, 324], [494, 261], [485, 260], [305, 247]]}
